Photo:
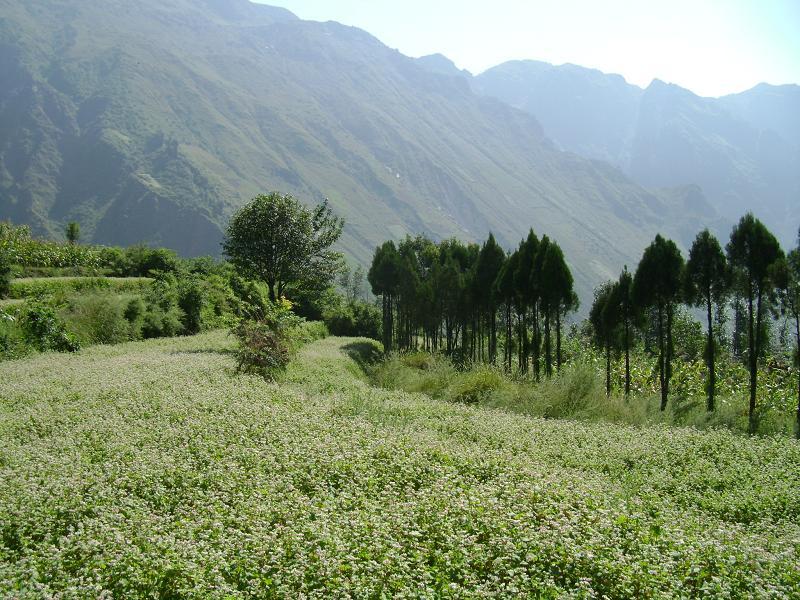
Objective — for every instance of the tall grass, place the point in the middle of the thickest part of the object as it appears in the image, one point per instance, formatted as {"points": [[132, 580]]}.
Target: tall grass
{"points": [[577, 392]]}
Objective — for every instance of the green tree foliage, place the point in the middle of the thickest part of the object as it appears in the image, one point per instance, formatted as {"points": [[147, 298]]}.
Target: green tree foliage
{"points": [[706, 283], [490, 262], [383, 276], [465, 299], [73, 232], [603, 318], [277, 240], [755, 256], [5, 274], [625, 312], [657, 285], [557, 296]]}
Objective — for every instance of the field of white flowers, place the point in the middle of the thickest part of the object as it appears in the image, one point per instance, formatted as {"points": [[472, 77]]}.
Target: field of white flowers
{"points": [[151, 470]]}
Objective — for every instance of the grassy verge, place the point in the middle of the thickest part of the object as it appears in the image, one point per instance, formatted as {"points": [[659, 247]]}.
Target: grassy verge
{"points": [[32, 286], [578, 393], [150, 470]]}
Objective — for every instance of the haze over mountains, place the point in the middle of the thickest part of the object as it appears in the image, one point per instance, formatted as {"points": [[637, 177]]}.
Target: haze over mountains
{"points": [[743, 150], [153, 121]]}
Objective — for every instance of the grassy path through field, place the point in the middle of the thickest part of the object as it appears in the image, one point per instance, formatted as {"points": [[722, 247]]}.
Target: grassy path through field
{"points": [[151, 469]]}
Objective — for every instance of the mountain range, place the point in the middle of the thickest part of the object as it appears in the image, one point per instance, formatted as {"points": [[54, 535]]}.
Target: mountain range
{"points": [[743, 150], [153, 121]]}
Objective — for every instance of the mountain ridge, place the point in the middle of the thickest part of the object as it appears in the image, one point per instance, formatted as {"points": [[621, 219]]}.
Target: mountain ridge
{"points": [[154, 125]]}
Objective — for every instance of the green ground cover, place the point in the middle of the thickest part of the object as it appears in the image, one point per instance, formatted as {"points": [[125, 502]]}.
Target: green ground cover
{"points": [[150, 469], [27, 287]]}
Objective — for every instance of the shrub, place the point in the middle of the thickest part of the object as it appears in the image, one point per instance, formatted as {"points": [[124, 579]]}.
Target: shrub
{"points": [[475, 386], [5, 276], [190, 301], [263, 348], [266, 344], [43, 330], [357, 319], [99, 319], [163, 317]]}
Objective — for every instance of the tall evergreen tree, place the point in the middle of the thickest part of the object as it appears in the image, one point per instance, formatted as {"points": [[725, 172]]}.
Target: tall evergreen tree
{"points": [[505, 290], [527, 300], [754, 254], [487, 269], [706, 284], [626, 314], [657, 284], [557, 297], [604, 324], [383, 276]]}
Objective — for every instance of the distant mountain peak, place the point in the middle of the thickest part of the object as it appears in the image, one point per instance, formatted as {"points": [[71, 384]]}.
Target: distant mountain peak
{"points": [[439, 63]]}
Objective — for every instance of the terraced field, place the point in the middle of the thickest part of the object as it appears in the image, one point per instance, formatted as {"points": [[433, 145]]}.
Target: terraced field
{"points": [[150, 469]]}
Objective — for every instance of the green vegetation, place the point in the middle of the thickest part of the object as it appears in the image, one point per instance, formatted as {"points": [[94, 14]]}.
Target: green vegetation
{"points": [[151, 469], [27, 287]]}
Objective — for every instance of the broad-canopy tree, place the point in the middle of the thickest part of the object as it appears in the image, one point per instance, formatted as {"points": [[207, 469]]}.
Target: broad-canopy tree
{"points": [[657, 285], [755, 257], [706, 283], [277, 240]]}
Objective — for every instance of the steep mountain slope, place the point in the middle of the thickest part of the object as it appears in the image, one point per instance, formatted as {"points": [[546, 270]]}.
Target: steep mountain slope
{"points": [[154, 121], [742, 150]]}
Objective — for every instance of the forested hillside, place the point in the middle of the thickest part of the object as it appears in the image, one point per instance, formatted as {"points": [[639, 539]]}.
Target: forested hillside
{"points": [[152, 122]]}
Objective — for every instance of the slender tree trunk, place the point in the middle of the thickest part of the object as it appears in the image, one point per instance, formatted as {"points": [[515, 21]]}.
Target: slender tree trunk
{"points": [[712, 377], [608, 368], [627, 355], [536, 343], [271, 288], [661, 357], [797, 340], [752, 363], [493, 335], [558, 339], [525, 343], [548, 351], [670, 347], [754, 367], [508, 337]]}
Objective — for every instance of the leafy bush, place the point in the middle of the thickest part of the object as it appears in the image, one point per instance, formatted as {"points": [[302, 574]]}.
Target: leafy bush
{"points": [[163, 317], [26, 288], [99, 319], [44, 330], [476, 385], [5, 276], [263, 348], [190, 301], [357, 319], [265, 345]]}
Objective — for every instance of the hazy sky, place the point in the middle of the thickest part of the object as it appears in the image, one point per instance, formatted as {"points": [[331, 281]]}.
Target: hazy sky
{"points": [[712, 47]]}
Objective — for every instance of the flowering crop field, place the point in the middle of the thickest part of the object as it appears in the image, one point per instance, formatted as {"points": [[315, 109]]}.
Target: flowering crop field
{"points": [[150, 469]]}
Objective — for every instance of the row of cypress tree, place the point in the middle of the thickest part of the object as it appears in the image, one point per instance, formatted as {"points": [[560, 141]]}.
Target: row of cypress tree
{"points": [[461, 298], [753, 272]]}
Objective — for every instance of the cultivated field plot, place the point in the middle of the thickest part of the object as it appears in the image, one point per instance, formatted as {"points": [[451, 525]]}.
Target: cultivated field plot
{"points": [[150, 470]]}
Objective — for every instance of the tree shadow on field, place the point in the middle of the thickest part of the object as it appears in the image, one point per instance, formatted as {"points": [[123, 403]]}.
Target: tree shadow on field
{"points": [[365, 354], [221, 351]]}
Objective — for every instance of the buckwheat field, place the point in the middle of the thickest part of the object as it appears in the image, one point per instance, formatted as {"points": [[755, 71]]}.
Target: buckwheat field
{"points": [[151, 469]]}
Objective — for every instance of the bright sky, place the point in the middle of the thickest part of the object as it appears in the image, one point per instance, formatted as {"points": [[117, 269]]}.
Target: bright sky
{"points": [[712, 47]]}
